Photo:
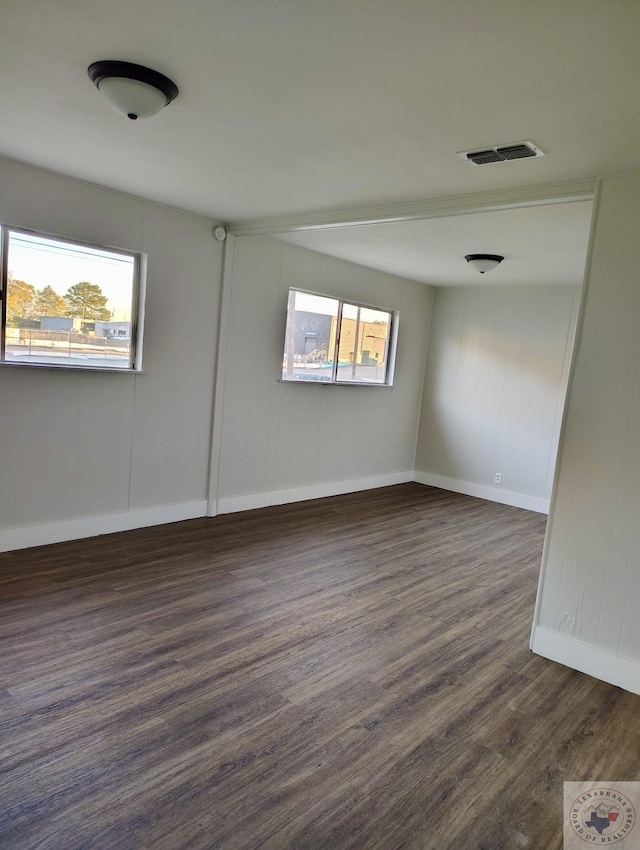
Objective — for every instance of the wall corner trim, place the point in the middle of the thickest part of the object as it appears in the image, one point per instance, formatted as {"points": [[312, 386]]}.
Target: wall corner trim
{"points": [[92, 526], [611, 668], [482, 491]]}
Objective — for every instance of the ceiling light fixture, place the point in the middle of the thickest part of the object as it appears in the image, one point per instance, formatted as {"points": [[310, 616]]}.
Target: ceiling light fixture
{"points": [[132, 90], [484, 262]]}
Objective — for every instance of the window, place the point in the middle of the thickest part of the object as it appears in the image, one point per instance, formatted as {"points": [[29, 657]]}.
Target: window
{"points": [[68, 304], [338, 342]]}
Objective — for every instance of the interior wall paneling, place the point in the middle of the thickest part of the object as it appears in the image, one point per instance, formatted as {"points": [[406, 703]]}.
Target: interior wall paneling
{"points": [[495, 383], [589, 592], [90, 445], [279, 437]]}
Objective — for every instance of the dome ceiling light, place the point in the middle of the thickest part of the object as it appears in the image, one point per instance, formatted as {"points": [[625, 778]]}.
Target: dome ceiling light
{"points": [[132, 90], [484, 262]]}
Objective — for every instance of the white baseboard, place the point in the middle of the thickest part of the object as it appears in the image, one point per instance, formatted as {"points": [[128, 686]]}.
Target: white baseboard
{"points": [[622, 672], [481, 491], [234, 504], [76, 529]]}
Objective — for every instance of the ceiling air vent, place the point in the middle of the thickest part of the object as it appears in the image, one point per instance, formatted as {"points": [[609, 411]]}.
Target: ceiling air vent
{"points": [[502, 153]]}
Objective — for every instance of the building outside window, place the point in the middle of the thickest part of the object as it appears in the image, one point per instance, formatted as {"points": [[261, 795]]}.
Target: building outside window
{"points": [[69, 304]]}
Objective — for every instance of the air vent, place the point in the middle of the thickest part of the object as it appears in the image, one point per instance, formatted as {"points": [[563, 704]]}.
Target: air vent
{"points": [[485, 157], [501, 153]]}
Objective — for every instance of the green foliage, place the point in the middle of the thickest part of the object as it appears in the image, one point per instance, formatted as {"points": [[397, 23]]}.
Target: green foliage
{"points": [[49, 303], [86, 300], [26, 323], [20, 297]]}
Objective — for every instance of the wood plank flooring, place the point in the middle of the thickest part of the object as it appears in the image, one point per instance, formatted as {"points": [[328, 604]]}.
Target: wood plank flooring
{"points": [[346, 673]]}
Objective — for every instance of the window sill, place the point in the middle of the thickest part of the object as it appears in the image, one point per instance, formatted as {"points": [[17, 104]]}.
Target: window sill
{"points": [[101, 369], [332, 383]]}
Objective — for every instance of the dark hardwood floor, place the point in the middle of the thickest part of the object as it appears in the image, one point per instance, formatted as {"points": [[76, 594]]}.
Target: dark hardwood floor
{"points": [[351, 672]]}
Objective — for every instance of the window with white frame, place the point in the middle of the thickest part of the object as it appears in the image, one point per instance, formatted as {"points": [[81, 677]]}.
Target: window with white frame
{"points": [[68, 304], [333, 341]]}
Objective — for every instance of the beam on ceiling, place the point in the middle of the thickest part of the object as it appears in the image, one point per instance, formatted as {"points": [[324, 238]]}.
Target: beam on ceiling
{"points": [[559, 193]]}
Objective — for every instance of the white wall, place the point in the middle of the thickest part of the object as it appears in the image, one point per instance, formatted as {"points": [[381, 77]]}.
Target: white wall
{"points": [[589, 594], [494, 389], [283, 441], [76, 445]]}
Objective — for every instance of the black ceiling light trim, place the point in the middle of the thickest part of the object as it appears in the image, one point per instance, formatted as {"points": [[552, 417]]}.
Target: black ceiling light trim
{"points": [[98, 71], [484, 262], [105, 68]]}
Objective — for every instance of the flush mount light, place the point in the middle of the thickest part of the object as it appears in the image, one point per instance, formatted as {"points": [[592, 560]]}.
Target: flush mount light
{"points": [[132, 90], [484, 262]]}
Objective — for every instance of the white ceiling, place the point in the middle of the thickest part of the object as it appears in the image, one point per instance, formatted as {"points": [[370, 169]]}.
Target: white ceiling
{"points": [[295, 106], [541, 245]]}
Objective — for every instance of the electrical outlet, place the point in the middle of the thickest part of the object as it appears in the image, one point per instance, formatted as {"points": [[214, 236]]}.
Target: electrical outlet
{"points": [[498, 478]]}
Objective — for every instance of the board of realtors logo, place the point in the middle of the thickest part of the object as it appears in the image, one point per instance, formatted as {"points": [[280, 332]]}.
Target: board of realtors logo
{"points": [[602, 816]]}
